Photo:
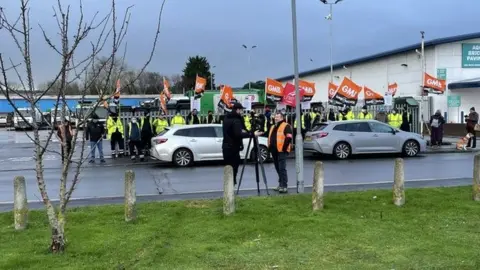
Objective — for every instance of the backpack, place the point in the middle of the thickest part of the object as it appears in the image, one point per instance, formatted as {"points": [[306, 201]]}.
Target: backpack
{"points": [[435, 123]]}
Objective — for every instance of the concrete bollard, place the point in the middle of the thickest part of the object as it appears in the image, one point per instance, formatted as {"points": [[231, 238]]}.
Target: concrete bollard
{"points": [[399, 183], [318, 184], [228, 191], [20, 204], [130, 196], [476, 178]]}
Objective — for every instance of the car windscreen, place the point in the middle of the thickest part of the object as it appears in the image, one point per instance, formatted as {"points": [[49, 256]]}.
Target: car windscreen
{"points": [[23, 112], [319, 127]]}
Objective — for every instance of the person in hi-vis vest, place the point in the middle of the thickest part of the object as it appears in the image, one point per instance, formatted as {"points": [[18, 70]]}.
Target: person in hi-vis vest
{"points": [[279, 144], [395, 119], [115, 134], [178, 119], [364, 114]]}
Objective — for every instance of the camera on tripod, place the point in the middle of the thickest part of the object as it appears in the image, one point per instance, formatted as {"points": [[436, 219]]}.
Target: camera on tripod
{"points": [[257, 122]]}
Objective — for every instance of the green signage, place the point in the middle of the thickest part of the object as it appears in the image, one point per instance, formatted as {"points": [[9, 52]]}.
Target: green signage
{"points": [[441, 73], [454, 101], [471, 55]]}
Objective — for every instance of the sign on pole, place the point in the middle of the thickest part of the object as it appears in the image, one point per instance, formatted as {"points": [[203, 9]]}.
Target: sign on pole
{"points": [[454, 101], [471, 55], [441, 73]]}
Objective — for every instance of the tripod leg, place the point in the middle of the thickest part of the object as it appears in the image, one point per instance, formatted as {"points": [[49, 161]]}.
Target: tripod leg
{"points": [[257, 176], [243, 167], [264, 175]]}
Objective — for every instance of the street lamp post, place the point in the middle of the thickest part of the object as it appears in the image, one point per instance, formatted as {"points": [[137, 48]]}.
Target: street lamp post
{"points": [[298, 137], [249, 49], [211, 79], [330, 18]]}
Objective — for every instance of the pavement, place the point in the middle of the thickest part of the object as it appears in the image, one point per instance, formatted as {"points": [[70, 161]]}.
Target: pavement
{"points": [[103, 183]]}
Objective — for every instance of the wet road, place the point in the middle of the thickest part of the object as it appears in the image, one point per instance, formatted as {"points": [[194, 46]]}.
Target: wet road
{"points": [[107, 181]]}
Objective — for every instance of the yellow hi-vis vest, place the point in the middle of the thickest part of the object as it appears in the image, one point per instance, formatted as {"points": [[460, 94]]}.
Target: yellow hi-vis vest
{"points": [[177, 120], [302, 119], [160, 125], [362, 116], [112, 126], [350, 116], [395, 120], [246, 120]]}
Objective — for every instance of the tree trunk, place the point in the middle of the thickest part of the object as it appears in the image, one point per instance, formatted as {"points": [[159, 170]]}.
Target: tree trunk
{"points": [[58, 236]]}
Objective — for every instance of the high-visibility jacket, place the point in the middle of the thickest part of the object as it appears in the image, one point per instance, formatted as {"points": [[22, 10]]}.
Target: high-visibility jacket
{"points": [[112, 127], [142, 120], [160, 125], [280, 137], [363, 116], [302, 119], [395, 120], [178, 120], [246, 120], [350, 115]]}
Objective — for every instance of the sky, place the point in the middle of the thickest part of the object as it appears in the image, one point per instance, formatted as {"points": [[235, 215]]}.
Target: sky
{"points": [[217, 29]]}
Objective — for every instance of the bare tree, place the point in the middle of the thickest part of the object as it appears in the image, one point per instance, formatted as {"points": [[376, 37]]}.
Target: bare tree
{"points": [[106, 29]]}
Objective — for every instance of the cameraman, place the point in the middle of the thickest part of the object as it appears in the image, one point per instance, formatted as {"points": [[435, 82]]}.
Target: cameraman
{"points": [[279, 144], [233, 135]]}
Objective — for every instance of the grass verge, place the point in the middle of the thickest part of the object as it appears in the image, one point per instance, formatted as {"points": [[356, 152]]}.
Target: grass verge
{"points": [[437, 229]]}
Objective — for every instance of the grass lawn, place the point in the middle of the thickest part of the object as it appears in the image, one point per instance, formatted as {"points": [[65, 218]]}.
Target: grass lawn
{"points": [[437, 229]]}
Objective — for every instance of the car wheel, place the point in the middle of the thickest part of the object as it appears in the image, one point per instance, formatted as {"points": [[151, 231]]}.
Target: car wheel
{"points": [[182, 157], [264, 154], [411, 148], [342, 150]]}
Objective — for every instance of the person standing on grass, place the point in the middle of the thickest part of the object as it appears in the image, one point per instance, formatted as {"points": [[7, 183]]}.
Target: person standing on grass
{"points": [[94, 134], [279, 144]]}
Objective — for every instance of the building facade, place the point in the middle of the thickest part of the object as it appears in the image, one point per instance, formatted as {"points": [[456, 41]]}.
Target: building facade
{"points": [[454, 59]]}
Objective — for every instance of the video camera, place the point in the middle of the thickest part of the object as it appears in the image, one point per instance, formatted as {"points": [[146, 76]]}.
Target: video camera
{"points": [[257, 122]]}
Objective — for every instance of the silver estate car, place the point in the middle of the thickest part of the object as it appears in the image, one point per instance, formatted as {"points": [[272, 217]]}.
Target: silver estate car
{"points": [[345, 138]]}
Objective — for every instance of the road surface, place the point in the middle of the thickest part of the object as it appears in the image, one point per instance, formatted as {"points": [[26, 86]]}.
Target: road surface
{"points": [[107, 181]]}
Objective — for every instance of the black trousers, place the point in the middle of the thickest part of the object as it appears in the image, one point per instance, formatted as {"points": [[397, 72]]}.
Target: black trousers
{"points": [[280, 162], [232, 157], [66, 150], [147, 141], [117, 138], [472, 142], [135, 144]]}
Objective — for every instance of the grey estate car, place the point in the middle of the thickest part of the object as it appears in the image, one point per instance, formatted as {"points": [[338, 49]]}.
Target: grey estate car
{"points": [[345, 138]]}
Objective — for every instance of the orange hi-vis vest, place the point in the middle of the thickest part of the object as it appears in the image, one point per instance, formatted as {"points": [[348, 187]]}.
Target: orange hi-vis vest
{"points": [[280, 137]]}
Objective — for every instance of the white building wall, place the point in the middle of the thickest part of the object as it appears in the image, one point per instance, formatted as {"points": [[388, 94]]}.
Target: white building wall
{"points": [[375, 74]]}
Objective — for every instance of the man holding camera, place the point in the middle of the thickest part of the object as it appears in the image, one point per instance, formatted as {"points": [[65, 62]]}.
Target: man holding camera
{"points": [[233, 134], [279, 144]]}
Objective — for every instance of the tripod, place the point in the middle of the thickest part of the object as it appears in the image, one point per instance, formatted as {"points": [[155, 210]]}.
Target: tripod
{"points": [[258, 163]]}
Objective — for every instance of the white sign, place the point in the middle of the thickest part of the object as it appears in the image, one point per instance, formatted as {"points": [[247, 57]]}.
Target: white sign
{"points": [[239, 97], [247, 104], [388, 99], [195, 104], [305, 105], [281, 106]]}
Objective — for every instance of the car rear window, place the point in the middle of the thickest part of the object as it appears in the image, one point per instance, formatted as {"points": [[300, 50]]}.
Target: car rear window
{"points": [[319, 127], [340, 127]]}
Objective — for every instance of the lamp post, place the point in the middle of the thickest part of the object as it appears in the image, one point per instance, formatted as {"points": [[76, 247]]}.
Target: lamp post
{"points": [[211, 79], [298, 137], [329, 17], [249, 49]]}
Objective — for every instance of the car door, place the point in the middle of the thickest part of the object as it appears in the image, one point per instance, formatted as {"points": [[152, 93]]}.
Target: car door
{"points": [[384, 137], [218, 154], [360, 136], [202, 140]]}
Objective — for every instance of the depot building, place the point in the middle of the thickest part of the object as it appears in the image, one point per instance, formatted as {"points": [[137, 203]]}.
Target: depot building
{"points": [[453, 59]]}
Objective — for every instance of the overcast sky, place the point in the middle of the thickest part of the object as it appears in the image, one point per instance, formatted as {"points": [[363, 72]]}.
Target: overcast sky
{"points": [[217, 29]]}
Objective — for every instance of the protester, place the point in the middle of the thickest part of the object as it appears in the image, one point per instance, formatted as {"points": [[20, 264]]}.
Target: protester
{"points": [[94, 134], [472, 121], [192, 118], [279, 144], [210, 118], [381, 116], [436, 124], [233, 135], [134, 139], [115, 134], [406, 121], [146, 125], [65, 134]]}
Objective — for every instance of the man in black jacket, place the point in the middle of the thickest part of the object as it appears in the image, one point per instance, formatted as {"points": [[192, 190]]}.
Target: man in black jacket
{"points": [[94, 133], [279, 144], [233, 135]]}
